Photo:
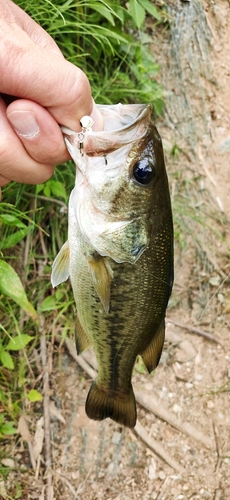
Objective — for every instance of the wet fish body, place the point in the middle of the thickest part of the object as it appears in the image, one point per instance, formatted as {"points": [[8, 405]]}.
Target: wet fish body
{"points": [[119, 253]]}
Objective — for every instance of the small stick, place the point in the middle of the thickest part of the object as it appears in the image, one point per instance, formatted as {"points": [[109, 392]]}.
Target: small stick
{"points": [[217, 441], [45, 198], [156, 447], [159, 497], [196, 330], [46, 403], [155, 406], [83, 364], [42, 242]]}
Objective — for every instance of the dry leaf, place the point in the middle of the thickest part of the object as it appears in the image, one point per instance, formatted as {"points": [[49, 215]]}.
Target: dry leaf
{"points": [[23, 429], [8, 462], [38, 439], [3, 492]]}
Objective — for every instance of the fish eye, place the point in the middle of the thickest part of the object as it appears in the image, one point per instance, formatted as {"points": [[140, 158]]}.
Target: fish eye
{"points": [[144, 172]]}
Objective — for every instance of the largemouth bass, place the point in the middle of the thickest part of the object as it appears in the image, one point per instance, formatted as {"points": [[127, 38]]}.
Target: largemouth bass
{"points": [[119, 253]]}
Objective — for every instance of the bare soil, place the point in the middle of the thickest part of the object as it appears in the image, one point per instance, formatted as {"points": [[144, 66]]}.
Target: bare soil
{"points": [[102, 461]]}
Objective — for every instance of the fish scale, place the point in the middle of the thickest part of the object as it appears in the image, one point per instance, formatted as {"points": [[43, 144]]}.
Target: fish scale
{"points": [[119, 254]]}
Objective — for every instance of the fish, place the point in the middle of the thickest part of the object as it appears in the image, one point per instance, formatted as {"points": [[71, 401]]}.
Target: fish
{"points": [[119, 252]]}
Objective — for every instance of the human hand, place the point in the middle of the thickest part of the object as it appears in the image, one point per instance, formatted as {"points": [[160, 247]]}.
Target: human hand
{"points": [[50, 91]]}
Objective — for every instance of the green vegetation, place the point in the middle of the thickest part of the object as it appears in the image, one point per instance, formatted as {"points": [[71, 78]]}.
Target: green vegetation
{"points": [[106, 40]]}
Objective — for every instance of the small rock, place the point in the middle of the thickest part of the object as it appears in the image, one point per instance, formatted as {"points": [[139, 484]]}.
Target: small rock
{"points": [[176, 408], [110, 468], [116, 437], [152, 470], [161, 475], [188, 385], [75, 474], [185, 487]]}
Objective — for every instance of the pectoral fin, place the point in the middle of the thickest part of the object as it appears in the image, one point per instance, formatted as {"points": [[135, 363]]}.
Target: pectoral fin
{"points": [[101, 278], [60, 268], [151, 355], [81, 337]]}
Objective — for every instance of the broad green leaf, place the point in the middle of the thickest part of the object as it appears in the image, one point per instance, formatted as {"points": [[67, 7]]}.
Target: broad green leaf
{"points": [[48, 304], [13, 239], [137, 12], [6, 359], [8, 429], [39, 188], [34, 396], [102, 9], [18, 342], [11, 285], [11, 220], [58, 189], [47, 191], [150, 8]]}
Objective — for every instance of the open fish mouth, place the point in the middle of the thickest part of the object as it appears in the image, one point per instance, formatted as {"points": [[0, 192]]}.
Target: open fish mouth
{"points": [[122, 125]]}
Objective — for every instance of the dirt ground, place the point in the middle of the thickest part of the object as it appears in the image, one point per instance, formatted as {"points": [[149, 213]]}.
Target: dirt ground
{"points": [[103, 461]]}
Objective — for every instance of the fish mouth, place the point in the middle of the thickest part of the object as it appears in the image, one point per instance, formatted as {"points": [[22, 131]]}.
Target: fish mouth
{"points": [[122, 125]]}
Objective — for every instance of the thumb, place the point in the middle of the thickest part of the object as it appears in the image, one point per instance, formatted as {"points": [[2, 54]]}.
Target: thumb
{"points": [[39, 73]]}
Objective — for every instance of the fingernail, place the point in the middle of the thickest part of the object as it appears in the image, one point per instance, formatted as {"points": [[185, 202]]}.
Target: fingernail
{"points": [[24, 123], [97, 118]]}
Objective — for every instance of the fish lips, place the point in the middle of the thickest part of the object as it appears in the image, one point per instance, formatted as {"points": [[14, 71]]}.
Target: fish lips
{"points": [[123, 124]]}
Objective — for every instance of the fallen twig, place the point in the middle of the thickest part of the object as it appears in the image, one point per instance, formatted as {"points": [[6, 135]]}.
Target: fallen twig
{"points": [[156, 447], [156, 407], [46, 404], [83, 364], [193, 329], [218, 447], [46, 198]]}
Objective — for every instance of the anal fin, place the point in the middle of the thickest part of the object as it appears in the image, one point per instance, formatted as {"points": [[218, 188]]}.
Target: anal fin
{"points": [[81, 337], [101, 404], [151, 355]]}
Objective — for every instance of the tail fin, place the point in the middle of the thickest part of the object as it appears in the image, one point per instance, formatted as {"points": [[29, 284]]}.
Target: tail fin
{"points": [[101, 404]]}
